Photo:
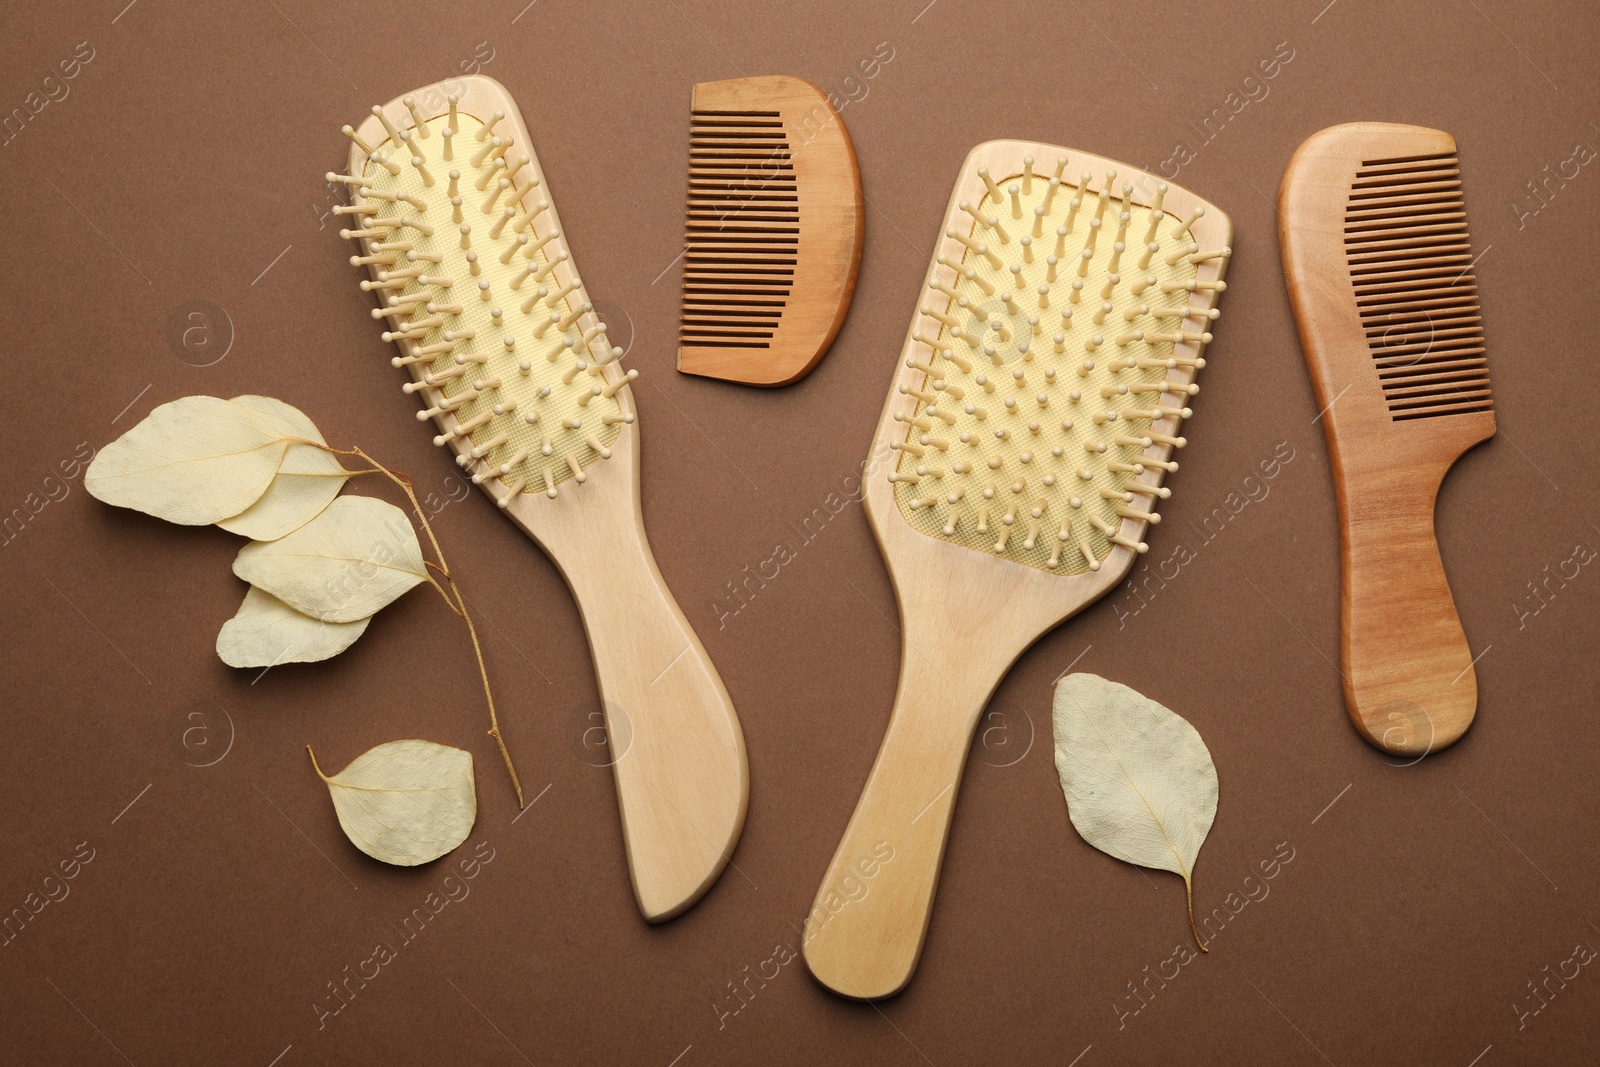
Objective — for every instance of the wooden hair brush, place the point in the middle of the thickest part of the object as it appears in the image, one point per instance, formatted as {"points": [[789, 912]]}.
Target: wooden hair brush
{"points": [[773, 241], [1375, 249], [474, 275], [1038, 399]]}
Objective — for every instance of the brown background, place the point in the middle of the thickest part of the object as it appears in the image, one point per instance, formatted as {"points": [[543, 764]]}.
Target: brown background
{"points": [[185, 166]]}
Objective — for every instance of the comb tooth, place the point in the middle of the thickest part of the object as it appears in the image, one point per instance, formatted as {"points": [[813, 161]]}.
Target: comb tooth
{"points": [[1104, 197], [410, 103], [743, 231], [357, 209], [1181, 253], [1183, 227], [562, 293], [1410, 260], [512, 489], [994, 190], [573, 317], [539, 244], [495, 168], [410, 147], [518, 189], [500, 222], [381, 116], [488, 205], [549, 266], [1087, 551], [478, 451], [350, 132], [487, 128], [527, 220], [482, 154]]}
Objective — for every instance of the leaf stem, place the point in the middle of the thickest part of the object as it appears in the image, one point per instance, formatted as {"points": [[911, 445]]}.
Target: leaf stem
{"points": [[453, 598], [1188, 892], [314, 766]]}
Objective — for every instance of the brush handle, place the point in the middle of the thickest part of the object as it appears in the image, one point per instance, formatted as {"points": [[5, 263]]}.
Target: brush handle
{"points": [[676, 747], [865, 931], [1408, 679]]}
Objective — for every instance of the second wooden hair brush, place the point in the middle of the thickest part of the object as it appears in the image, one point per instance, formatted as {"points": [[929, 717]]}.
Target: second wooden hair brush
{"points": [[1033, 413]]}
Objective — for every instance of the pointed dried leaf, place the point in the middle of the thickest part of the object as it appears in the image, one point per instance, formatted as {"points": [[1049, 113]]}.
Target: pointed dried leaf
{"points": [[308, 478], [266, 632], [405, 802], [287, 419], [346, 564], [1139, 781], [192, 461]]}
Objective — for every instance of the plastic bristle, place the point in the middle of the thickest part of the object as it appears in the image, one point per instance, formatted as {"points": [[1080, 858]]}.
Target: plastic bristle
{"points": [[1059, 371], [1410, 258], [492, 356]]}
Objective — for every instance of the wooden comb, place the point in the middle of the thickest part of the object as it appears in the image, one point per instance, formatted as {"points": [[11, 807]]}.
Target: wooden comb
{"points": [[470, 264], [1033, 414], [1374, 234], [773, 241]]}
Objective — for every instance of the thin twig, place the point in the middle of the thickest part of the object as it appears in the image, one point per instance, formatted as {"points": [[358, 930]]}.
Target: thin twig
{"points": [[457, 602]]}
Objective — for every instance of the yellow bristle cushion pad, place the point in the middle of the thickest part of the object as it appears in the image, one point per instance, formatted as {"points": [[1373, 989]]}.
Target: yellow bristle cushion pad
{"points": [[1025, 482], [552, 385]]}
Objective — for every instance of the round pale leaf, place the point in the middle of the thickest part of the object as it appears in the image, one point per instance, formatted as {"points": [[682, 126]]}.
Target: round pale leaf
{"points": [[266, 632], [192, 461], [349, 562], [1139, 781], [308, 478], [405, 802]]}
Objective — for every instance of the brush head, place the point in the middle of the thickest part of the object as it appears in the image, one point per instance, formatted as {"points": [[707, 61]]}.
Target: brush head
{"points": [[478, 290], [773, 238], [1373, 226], [1051, 365]]}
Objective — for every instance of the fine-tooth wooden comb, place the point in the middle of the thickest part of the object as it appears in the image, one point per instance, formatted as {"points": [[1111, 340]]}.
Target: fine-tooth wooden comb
{"points": [[1039, 396], [473, 272], [773, 241], [1374, 234]]}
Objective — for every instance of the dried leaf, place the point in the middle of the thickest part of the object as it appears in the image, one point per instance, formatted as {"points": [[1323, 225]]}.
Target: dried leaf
{"points": [[345, 564], [266, 632], [405, 802], [308, 478], [192, 461], [1139, 781]]}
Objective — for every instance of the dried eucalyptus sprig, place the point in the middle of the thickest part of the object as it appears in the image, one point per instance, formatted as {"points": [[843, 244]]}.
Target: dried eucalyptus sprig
{"points": [[320, 565]]}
